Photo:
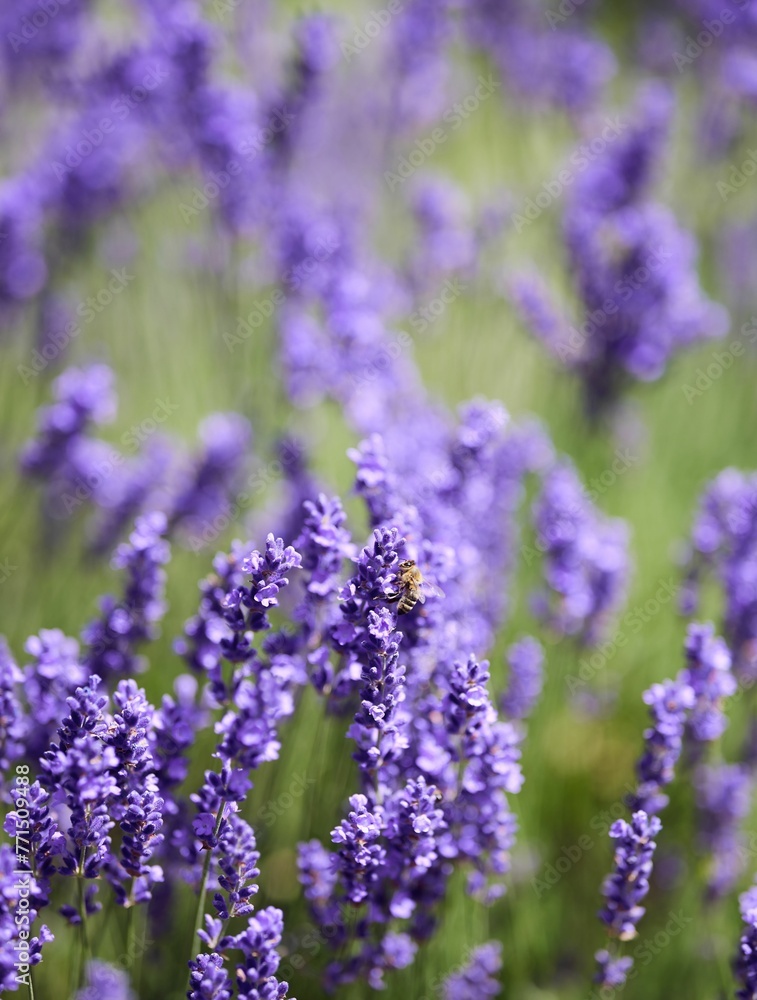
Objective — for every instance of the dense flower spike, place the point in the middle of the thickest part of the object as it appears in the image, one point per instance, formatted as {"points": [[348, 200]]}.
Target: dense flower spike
{"points": [[669, 706], [628, 885]]}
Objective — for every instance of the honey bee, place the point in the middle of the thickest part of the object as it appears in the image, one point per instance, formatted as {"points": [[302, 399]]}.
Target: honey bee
{"points": [[410, 588]]}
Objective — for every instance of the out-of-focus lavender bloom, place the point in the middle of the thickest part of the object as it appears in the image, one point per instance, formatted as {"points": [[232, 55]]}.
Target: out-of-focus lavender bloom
{"points": [[105, 982], [708, 674], [176, 724], [84, 396], [123, 497], [611, 972], [54, 673], [477, 977], [724, 543], [586, 557], [568, 68], [634, 269], [627, 886], [131, 620], [12, 725], [447, 244], [525, 658], [30, 50], [208, 637], [723, 795], [23, 270], [225, 439]]}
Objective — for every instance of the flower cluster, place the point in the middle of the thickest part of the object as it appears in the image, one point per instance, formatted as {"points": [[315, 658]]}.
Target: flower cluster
{"points": [[633, 269], [586, 558]]}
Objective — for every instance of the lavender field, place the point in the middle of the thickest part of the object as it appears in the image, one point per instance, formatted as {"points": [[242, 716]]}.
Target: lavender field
{"points": [[378, 500]]}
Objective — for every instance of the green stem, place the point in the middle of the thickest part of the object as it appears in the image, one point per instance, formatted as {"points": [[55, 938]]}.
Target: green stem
{"points": [[203, 890], [86, 953], [31, 986]]}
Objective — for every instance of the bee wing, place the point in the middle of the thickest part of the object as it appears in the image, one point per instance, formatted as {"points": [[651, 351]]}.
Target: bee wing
{"points": [[431, 590]]}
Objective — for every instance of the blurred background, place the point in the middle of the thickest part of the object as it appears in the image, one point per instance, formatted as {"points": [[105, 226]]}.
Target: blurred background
{"points": [[191, 289]]}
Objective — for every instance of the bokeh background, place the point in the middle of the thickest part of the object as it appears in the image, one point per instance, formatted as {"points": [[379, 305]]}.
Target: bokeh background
{"points": [[164, 338]]}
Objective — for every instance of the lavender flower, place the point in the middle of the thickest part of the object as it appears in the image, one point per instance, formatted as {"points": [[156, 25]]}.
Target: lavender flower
{"points": [[611, 972], [84, 396], [80, 770], [634, 270], [724, 544], [524, 687], [746, 958], [54, 673], [208, 979], [723, 795], [669, 706], [477, 976], [14, 949], [12, 725], [105, 982], [225, 439], [126, 623], [628, 885], [586, 557], [708, 673]]}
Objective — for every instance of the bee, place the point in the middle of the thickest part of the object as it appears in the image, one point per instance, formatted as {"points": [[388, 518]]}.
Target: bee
{"points": [[410, 588]]}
